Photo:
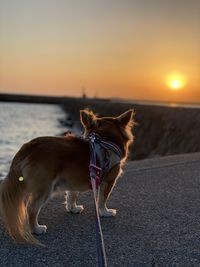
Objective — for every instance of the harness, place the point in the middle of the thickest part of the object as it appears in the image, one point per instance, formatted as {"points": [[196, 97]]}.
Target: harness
{"points": [[103, 156]]}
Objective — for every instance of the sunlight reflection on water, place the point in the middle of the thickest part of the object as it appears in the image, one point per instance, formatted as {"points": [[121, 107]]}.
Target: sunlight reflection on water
{"points": [[21, 122]]}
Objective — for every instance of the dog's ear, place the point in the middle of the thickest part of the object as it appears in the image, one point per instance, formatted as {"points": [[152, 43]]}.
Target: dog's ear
{"points": [[87, 118], [126, 118]]}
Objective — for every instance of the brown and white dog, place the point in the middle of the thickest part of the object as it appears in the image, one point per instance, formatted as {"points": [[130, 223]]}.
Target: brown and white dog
{"points": [[46, 164]]}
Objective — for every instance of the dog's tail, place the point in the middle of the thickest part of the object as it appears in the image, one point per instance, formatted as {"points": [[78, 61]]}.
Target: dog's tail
{"points": [[13, 206]]}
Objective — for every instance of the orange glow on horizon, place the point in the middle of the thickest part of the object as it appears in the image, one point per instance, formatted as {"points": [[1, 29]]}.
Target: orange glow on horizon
{"points": [[120, 49]]}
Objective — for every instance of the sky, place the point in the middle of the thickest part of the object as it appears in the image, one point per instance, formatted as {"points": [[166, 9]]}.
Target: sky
{"points": [[111, 48]]}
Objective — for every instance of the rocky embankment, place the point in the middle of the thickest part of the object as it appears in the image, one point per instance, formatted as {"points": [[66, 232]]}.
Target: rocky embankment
{"points": [[160, 130]]}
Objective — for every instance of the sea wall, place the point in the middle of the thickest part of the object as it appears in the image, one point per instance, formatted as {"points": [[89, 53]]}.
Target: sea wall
{"points": [[31, 98], [160, 130]]}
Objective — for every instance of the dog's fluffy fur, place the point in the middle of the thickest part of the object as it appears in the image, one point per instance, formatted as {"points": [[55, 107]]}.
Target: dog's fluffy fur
{"points": [[51, 163]]}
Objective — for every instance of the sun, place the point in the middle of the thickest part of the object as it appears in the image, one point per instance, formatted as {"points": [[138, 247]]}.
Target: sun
{"points": [[176, 84], [175, 81]]}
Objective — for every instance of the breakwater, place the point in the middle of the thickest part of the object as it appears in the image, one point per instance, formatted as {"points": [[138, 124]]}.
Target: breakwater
{"points": [[31, 98], [160, 130]]}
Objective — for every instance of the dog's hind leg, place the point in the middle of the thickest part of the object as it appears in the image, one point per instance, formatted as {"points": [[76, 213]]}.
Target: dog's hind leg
{"points": [[37, 201], [71, 206]]}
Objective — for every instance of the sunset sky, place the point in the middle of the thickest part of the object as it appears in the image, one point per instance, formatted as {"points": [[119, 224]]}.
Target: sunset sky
{"points": [[114, 48]]}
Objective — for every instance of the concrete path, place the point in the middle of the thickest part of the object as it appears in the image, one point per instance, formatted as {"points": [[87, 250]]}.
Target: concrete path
{"points": [[158, 222]]}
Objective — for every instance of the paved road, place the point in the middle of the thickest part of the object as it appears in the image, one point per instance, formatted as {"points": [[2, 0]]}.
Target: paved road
{"points": [[158, 202]]}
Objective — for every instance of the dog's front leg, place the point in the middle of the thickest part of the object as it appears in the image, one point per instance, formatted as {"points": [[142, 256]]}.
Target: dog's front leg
{"points": [[105, 190], [71, 206]]}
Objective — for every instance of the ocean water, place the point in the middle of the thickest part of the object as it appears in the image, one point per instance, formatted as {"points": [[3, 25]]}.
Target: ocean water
{"points": [[21, 122]]}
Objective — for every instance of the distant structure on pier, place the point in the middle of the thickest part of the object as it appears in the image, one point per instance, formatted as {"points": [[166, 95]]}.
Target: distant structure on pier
{"points": [[83, 90]]}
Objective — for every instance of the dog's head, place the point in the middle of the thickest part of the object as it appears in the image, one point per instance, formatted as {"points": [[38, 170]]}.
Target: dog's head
{"points": [[114, 129]]}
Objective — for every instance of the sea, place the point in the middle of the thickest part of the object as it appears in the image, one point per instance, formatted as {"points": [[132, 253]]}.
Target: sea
{"points": [[21, 122]]}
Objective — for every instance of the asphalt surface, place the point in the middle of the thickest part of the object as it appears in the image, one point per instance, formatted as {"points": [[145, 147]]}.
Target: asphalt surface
{"points": [[157, 224]]}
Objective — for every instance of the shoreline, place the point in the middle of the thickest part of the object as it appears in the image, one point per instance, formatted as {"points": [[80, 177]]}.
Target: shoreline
{"points": [[160, 130]]}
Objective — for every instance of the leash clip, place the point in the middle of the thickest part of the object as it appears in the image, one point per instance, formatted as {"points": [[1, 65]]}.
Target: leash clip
{"points": [[93, 137]]}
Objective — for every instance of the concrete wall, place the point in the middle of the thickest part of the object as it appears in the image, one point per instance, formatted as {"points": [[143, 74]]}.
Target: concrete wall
{"points": [[160, 130]]}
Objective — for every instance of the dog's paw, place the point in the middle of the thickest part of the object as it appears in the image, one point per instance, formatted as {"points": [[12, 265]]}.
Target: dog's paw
{"points": [[107, 213], [40, 229], [76, 209]]}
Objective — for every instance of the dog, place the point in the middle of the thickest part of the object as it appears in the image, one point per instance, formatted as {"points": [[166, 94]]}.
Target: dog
{"points": [[47, 164]]}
